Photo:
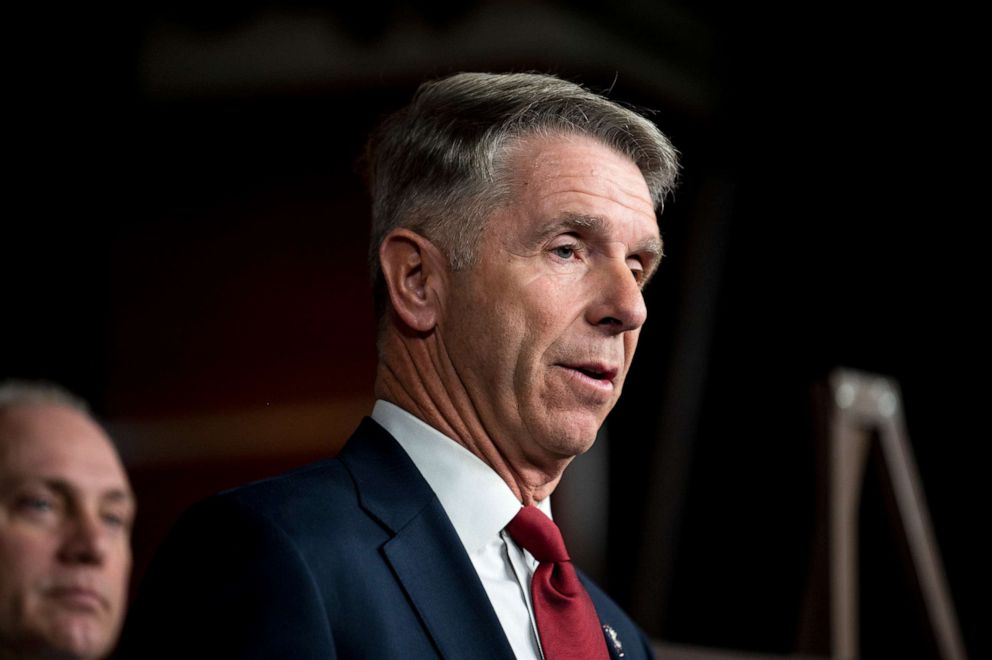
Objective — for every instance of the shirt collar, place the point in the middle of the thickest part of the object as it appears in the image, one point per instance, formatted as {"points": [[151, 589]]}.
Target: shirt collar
{"points": [[478, 502]]}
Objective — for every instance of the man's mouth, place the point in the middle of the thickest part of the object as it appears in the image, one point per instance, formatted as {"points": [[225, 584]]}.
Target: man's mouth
{"points": [[78, 598], [599, 372]]}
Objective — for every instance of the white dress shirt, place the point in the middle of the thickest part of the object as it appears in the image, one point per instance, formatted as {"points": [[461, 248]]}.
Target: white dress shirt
{"points": [[479, 504]]}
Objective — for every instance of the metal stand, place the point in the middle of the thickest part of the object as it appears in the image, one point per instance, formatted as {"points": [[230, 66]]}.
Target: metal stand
{"points": [[862, 404]]}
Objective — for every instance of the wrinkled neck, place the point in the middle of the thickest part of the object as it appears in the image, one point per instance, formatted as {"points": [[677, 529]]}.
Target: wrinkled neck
{"points": [[414, 373]]}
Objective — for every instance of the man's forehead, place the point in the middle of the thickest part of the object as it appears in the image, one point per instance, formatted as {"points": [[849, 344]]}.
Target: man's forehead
{"points": [[577, 173], [41, 421], [573, 154], [50, 446]]}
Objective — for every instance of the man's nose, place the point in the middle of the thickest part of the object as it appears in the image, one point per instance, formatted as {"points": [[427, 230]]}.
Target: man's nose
{"points": [[618, 302], [84, 541]]}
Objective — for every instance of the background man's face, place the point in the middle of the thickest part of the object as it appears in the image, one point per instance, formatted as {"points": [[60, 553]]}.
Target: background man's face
{"points": [[542, 329], [65, 517]]}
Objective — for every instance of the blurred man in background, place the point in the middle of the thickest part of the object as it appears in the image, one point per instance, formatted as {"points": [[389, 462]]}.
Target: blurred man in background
{"points": [[66, 510]]}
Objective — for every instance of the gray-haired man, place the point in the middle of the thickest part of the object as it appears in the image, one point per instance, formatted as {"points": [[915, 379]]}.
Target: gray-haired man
{"points": [[513, 231]]}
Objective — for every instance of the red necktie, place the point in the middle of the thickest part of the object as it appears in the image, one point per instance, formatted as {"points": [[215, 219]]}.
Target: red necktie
{"points": [[566, 619]]}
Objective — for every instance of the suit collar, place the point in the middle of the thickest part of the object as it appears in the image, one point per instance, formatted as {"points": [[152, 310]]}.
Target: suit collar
{"points": [[476, 500], [389, 486], [424, 552]]}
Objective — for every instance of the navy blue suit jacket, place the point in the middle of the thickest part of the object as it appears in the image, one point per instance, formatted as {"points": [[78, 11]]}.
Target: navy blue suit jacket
{"points": [[351, 557]]}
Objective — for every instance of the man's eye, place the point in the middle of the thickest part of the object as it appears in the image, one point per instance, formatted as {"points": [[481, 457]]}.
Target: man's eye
{"points": [[564, 251], [114, 519], [637, 270], [34, 505]]}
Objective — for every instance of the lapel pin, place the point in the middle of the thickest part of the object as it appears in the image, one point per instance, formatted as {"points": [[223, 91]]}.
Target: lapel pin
{"points": [[614, 639]]}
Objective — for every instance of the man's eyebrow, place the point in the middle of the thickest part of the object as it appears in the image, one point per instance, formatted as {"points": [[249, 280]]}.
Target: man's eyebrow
{"points": [[118, 494], [66, 489], [572, 222], [654, 247]]}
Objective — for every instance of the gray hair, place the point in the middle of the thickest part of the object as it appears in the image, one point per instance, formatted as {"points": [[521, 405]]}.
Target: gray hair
{"points": [[15, 393], [436, 166]]}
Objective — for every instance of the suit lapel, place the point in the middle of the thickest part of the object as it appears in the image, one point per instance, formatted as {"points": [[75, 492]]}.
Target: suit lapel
{"points": [[425, 552], [442, 584]]}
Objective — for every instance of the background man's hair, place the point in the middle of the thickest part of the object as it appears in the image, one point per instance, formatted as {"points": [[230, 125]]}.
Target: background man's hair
{"points": [[14, 393], [436, 166]]}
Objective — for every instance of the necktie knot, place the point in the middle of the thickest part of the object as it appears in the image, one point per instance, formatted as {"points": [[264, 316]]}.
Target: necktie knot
{"points": [[538, 534]]}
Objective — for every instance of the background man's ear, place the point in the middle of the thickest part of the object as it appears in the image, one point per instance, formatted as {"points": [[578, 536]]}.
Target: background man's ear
{"points": [[413, 269]]}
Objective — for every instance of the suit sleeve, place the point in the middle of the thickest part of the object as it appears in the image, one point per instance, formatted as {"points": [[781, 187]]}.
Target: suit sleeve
{"points": [[227, 583]]}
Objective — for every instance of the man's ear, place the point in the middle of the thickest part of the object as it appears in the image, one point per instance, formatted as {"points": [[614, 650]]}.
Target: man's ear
{"points": [[413, 269]]}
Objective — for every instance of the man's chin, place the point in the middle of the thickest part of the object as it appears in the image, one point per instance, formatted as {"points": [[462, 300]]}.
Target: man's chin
{"points": [[573, 436], [80, 636]]}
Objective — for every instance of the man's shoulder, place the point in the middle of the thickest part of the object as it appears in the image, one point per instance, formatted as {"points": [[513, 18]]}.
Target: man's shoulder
{"points": [[341, 495], [328, 481], [327, 477], [261, 559], [293, 506]]}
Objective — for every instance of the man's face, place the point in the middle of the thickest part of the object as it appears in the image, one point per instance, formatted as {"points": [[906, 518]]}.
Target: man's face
{"points": [[65, 517], [542, 329]]}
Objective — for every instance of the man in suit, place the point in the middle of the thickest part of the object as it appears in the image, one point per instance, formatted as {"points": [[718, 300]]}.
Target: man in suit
{"points": [[65, 518], [513, 230]]}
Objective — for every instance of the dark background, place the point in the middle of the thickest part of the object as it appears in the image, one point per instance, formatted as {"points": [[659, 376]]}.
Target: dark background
{"points": [[184, 240]]}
